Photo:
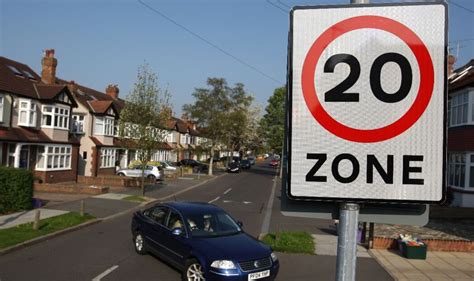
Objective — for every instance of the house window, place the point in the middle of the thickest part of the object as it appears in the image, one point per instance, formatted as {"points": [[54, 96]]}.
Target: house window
{"points": [[107, 157], [78, 124], [1, 108], [53, 157], [55, 117], [461, 170], [459, 110], [170, 137], [104, 126], [27, 113]]}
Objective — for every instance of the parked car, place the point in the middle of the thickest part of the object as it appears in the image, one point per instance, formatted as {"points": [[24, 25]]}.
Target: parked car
{"points": [[151, 172], [233, 167], [245, 164], [167, 166], [251, 159], [274, 163], [203, 242], [196, 165], [232, 159]]}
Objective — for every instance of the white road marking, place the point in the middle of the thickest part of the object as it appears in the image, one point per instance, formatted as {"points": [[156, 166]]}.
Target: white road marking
{"points": [[215, 199], [247, 202], [227, 201], [105, 273], [227, 191]]}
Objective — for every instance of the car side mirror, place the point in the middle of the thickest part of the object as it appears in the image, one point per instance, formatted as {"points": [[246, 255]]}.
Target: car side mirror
{"points": [[239, 223], [178, 231]]}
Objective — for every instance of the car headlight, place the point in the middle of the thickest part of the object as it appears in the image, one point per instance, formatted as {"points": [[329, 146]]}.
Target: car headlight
{"points": [[223, 264], [274, 257]]}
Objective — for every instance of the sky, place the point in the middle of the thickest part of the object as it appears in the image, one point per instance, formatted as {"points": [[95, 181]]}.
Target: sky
{"points": [[101, 42]]}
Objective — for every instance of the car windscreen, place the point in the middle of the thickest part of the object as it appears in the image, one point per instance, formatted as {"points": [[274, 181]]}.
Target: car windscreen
{"points": [[212, 224]]}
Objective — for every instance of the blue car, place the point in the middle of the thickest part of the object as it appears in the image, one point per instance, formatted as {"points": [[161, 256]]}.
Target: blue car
{"points": [[202, 241]]}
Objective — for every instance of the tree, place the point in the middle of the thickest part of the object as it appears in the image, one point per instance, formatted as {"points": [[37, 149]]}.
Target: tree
{"points": [[272, 125], [219, 110], [144, 117]]}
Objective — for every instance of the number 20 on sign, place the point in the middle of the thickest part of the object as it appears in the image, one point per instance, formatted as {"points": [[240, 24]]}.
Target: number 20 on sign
{"points": [[367, 103]]}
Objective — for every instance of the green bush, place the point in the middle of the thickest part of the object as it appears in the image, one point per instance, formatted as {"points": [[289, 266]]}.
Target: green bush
{"points": [[16, 189]]}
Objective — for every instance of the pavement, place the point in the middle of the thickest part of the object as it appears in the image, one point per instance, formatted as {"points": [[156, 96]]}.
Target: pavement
{"points": [[384, 264]]}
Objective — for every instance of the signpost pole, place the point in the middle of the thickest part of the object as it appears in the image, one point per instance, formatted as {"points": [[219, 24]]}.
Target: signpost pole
{"points": [[348, 226], [346, 242]]}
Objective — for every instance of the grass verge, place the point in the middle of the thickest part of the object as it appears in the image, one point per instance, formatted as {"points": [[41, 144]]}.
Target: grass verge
{"points": [[25, 232], [134, 198], [290, 242]]}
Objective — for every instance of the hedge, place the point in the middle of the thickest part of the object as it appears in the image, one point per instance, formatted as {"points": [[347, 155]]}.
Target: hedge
{"points": [[16, 189]]}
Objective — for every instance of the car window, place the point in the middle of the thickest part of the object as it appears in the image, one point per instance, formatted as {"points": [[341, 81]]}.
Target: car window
{"points": [[212, 224], [174, 220], [158, 214]]}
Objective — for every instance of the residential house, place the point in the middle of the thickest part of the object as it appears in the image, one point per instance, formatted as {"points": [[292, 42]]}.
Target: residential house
{"points": [[460, 176], [35, 118]]}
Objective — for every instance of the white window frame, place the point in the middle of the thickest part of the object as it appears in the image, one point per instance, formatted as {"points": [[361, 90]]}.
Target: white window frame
{"points": [[463, 105], [108, 126], [2, 102], [78, 125], [107, 157], [58, 157], [462, 164], [170, 137], [30, 112], [59, 117]]}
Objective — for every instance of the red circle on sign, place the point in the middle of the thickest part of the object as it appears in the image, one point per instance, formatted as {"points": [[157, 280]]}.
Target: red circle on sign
{"points": [[422, 99]]}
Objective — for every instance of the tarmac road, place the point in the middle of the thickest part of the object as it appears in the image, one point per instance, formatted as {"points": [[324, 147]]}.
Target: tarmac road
{"points": [[105, 250]]}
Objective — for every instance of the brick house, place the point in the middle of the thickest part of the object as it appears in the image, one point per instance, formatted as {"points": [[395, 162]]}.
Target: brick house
{"points": [[35, 115], [460, 174]]}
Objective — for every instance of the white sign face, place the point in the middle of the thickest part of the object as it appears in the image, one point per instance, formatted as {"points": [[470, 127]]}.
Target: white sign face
{"points": [[367, 103]]}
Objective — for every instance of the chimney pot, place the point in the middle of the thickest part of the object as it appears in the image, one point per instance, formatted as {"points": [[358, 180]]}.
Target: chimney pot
{"points": [[451, 62], [112, 90]]}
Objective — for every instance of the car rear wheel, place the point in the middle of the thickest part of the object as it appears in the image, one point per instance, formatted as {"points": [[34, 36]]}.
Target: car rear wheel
{"points": [[121, 174], [139, 243], [151, 177], [193, 271]]}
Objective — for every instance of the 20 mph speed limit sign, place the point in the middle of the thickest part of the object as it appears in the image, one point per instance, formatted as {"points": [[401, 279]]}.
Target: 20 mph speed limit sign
{"points": [[367, 103]]}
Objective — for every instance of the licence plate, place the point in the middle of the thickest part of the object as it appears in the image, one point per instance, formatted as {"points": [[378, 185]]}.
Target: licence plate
{"points": [[259, 275]]}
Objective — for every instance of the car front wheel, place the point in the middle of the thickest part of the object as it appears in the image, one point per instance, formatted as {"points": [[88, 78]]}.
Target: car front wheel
{"points": [[193, 271], [139, 243]]}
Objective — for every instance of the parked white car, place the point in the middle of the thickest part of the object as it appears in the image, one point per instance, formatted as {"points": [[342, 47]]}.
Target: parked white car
{"points": [[167, 166], [151, 172]]}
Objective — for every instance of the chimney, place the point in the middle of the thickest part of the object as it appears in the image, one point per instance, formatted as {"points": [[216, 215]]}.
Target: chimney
{"points": [[112, 90], [451, 62], [71, 85], [48, 64]]}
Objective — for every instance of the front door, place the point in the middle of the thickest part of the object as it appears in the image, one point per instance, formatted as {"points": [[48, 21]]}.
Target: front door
{"points": [[25, 157]]}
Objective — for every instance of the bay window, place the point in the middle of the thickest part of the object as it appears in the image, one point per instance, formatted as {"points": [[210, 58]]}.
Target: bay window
{"points": [[461, 170], [104, 126], [53, 157], [107, 157], [461, 109], [55, 117], [27, 113]]}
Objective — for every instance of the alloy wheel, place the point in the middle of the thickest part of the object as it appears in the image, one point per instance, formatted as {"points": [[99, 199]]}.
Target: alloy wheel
{"points": [[194, 272], [139, 242]]}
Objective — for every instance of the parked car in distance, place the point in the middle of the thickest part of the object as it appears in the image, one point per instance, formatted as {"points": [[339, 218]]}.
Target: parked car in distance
{"points": [[167, 166], [232, 159], [151, 172], [245, 164], [203, 242], [233, 167], [196, 165], [274, 163], [251, 159]]}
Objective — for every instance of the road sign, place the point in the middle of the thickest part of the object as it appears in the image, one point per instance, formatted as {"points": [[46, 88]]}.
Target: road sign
{"points": [[367, 103]]}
